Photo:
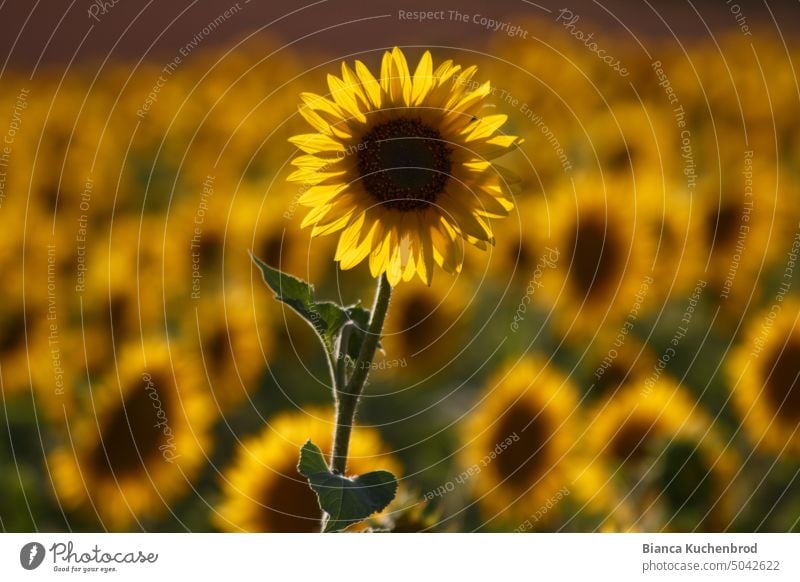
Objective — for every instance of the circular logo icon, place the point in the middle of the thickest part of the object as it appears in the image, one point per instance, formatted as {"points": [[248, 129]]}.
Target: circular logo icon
{"points": [[31, 555]]}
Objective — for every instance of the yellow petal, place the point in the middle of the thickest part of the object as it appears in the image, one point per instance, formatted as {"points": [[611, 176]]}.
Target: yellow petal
{"points": [[312, 143], [320, 195], [316, 162], [446, 250], [495, 147], [324, 106], [354, 243], [331, 227], [463, 103], [423, 79], [380, 253], [425, 262], [314, 215], [370, 84], [354, 83], [397, 78], [344, 97], [469, 226], [486, 126]]}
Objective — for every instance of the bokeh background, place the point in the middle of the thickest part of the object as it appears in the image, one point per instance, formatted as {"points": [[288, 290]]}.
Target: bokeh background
{"points": [[625, 358]]}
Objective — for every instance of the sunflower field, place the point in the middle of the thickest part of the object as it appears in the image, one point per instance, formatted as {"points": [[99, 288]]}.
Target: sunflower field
{"points": [[595, 325]]}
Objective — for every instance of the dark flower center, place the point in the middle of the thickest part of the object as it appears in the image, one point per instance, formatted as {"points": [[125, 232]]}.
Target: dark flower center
{"points": [[526, 460], [421, 325], [595, 258], [12, 333], [404, 164], [287, 504], [131, 436], [631, 442], [782, 389], [613, 377], [722, 225], [219, 348]]}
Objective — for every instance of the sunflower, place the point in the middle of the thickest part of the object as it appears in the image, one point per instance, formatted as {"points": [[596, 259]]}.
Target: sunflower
{"points": [[625, 361], [425, 328], [262, 490], [630, 138], [763, 372], [401, 165], [119, 303], [522, 438], [736, 225], [26, 316], [674, 225], [23, 336], [66, 133], [199, 229], [225, 331], [264, 226], [519, 255], [604, 248], [656, 435], [143, 442]]}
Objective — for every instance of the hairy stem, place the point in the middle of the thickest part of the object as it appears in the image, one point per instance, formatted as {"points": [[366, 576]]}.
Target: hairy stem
{"points": [[349, 395]]}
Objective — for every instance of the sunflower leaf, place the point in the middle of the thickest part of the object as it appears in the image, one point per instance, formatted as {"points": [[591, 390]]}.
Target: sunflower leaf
{"points": [[345, 500], [326, 317], [311, 460]]}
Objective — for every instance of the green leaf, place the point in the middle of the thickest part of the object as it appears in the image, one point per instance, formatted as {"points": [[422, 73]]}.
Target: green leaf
{"points": [[345, 500], [326, 317], [311, 460]]}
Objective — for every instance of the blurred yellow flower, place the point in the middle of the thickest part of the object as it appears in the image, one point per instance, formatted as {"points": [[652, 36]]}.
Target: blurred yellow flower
{"points": [[604, 247], [622, 363], [262, 490], [143, 442], [224, 330], [652, 427], [642, 413], [675, 224], [764, 373], [425, 327], [402, 166], [522, 438], [631, 138]]}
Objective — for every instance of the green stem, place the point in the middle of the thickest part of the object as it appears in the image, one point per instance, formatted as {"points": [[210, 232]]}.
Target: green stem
{"points": [[349, 395]]}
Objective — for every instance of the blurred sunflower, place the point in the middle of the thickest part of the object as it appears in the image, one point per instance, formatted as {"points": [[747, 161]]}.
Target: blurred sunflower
{"points": [[200, 230], [630, 138], [605, 255], [262, 490], [119, 303], [425, 328], [642, 413], [24, 311], [617, 366], [674, 224], [225, 331], [402, 166], [23, 329], [657, 435], [66, 127], [764, 375], [136, 248], [142, 444], [519, 249], [264, 228], [522, 436], [736, 228]]}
